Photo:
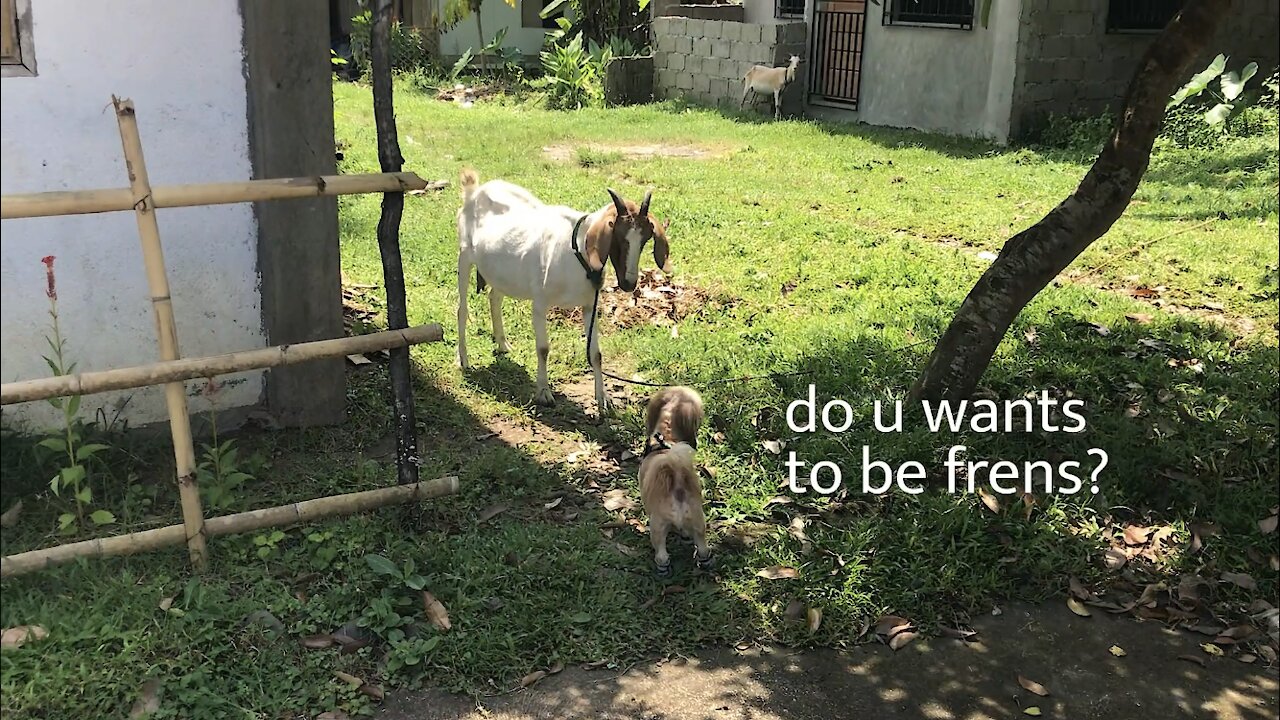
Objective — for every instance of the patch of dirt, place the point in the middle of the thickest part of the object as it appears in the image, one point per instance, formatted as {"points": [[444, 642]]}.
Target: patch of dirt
{"points": [[658, 300], [690, 152], [362, 308], [462, 94]]}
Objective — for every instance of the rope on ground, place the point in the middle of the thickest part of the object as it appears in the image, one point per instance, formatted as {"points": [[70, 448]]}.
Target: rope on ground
{"points": [[1143, 246]]}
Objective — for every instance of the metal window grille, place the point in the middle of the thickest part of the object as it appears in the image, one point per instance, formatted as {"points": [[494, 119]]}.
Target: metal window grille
{"points": [[942, 13], [788, 8], [1140, 15]]}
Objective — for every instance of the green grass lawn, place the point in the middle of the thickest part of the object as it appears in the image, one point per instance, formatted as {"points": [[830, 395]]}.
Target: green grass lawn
{"points": [[837, 252]]}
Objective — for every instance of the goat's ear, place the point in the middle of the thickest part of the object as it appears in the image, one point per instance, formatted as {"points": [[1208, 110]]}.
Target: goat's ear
{"points": [[661, 250], [599, 241]]}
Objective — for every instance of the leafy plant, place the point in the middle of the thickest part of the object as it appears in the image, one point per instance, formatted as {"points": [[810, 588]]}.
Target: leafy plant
{"points": [[406, 575], [409, 48], [267, 543], [219, 473], [572, 77], [1231, 97], [455, 11], [73, 472]]}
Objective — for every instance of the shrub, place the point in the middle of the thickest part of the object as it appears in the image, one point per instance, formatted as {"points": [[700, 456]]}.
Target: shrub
{"points": [[409, 49]]}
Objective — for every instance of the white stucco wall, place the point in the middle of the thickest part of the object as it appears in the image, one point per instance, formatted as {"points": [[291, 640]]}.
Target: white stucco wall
{"points": [[494, 15], [953, 81], [182, 64]]}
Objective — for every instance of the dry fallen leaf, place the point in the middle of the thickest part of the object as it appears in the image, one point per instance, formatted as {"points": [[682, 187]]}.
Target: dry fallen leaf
{"points": [[1139, 318], [348, 678], [165, 604], [10, 516], [1274, 562], [552, 505], [992, 503], [617, 500], [1076, 607], [1193, 658], [1114, 559], [775, 447], [1032, 686], [1212, 649], [1033, 711], [958, 633], [778, 572], [16, 637], [1137, 535], [435, 611], [532, 678], [317, 642], [490, 512], [1117, 651], [901, 639], [1243, 580], [815, 619], [1268, 525]]}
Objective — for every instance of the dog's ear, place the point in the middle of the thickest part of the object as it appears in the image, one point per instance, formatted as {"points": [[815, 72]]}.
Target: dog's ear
{"points": [[661, 250], [599, 242]]}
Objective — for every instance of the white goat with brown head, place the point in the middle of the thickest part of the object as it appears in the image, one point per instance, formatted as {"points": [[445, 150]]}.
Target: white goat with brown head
{"points": [[551, 255], [770, 81]]}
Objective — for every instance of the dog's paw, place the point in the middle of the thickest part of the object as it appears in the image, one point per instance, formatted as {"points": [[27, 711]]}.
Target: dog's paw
{"points": [[704, 563], [545, 398], [662, 571]]}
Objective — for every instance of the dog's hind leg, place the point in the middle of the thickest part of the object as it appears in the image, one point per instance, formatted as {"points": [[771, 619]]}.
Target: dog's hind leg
{"points": [[658, 527]]}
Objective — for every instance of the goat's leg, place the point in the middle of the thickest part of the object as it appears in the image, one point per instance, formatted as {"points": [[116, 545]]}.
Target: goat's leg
{"points": [[464, 286], [597, 366], [544, 396], [658, 526], [777, 104], [501, 346], [746, 88]]}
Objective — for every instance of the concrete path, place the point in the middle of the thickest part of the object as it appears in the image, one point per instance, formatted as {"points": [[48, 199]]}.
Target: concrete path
{"points": [[934, 679]]}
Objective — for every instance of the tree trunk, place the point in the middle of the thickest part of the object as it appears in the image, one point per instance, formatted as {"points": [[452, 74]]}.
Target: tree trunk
{"points": [[484, 64], [1033, 258], [384, 117]]}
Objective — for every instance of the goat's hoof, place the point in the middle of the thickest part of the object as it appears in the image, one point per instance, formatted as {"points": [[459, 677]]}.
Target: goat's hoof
{"points": [[604, 405], [463, 364], [704, 563], [545, 398], [503, 348], [662, 571]]}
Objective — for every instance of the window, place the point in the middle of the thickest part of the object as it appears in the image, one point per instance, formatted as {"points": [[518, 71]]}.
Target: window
{"points": [[1140, 15], [19, 56], [788, 8], [530, 11], [957, 14]]}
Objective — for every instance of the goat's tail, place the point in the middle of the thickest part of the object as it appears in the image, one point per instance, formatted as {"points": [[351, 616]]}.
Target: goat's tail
{"points": [[470, 181]]}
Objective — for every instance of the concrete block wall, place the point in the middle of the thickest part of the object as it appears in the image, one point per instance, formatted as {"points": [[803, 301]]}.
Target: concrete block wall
{"points": [[705, 60], [1069, 64]]}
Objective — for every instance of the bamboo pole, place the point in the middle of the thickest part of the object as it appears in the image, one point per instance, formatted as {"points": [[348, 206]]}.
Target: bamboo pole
{"points": [[88, 383], [300, 512], [384, 117], [84, 202], [175, 392]]}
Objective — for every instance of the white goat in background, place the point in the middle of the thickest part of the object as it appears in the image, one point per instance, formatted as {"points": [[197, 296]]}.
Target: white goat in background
{"points": [[552, 255], [769, 80]]}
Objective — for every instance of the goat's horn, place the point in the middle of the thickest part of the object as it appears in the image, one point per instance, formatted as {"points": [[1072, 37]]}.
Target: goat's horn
{"points": [[617, 202], [644, 206]]}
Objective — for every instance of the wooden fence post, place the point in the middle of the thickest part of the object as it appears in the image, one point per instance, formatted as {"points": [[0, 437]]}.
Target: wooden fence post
{"points": [[175, 393]]}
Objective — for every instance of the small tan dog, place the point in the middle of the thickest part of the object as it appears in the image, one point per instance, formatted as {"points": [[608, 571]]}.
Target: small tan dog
{"points": [[669, 484]]}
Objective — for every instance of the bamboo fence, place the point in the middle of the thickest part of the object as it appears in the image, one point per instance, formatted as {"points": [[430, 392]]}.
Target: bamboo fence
{"points": [[172, 370]]}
